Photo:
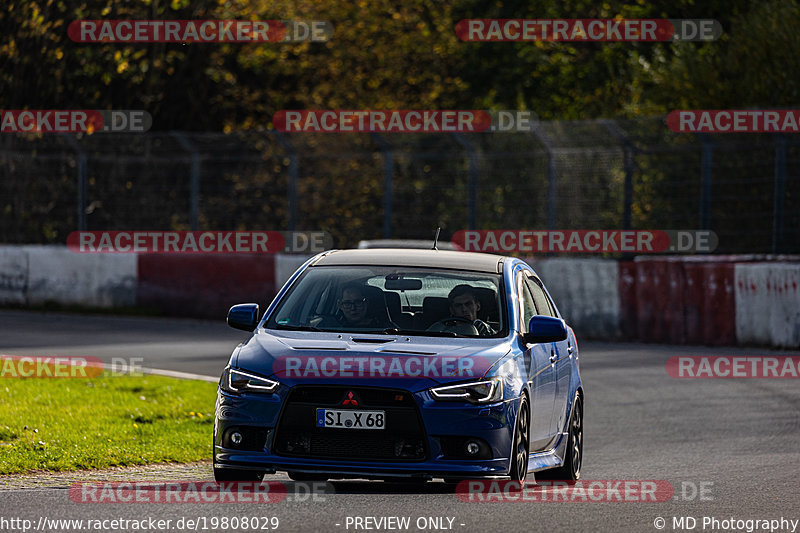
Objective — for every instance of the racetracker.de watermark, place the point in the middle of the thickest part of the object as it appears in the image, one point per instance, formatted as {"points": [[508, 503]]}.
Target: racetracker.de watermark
{"points": [[199, 242], [587, 30], [199, 31], [47, 366], [586, 241], [74, 121], [404, 121], [176, 31], [37, 366], [192, 492], [380, 366], [734, 366], [599, 490], [735, 121]]}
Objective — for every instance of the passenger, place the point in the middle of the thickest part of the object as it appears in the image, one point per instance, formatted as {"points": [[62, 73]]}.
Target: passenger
{"points": [[354, 309], [464, 304]]}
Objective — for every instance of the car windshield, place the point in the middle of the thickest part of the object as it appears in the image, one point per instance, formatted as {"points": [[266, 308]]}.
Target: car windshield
{"points": [[388, 300]]}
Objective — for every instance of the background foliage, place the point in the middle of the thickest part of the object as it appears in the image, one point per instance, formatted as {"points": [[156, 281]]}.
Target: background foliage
{"points": [[389, 55]]}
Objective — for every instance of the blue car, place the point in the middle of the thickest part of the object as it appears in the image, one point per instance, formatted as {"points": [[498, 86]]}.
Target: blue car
{"points": [[405, 365]]}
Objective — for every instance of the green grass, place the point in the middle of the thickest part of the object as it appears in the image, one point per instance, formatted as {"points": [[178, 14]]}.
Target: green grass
{"points": [[73, 424]]}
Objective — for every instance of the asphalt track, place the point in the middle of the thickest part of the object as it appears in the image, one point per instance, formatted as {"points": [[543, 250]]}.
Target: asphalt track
{"points": [[738, 438]]}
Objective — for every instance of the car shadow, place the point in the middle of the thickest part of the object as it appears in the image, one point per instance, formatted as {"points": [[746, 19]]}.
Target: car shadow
{"points": [[360, 486]]}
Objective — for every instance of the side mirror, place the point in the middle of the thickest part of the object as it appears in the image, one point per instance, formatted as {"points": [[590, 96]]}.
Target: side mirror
{"points": [[243, 316], [545, 329]]}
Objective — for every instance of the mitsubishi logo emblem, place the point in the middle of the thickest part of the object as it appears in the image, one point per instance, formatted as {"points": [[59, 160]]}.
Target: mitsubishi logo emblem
{"points": [[350, 400]]}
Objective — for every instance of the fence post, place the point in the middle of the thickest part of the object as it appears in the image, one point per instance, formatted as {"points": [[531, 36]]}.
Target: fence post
{"points": [[472, 181], [291, 193], [388, 177], [194, 178], [706, 166], [552, 194], [628, 150], [83, 182], [780, 193]]}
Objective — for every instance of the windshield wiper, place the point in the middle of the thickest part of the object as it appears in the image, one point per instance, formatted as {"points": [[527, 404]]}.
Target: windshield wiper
{"points": [[297, 328], [398, 331]]}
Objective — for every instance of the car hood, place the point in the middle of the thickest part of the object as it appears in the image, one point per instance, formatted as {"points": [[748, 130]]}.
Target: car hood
{"points": [[412, 363]]}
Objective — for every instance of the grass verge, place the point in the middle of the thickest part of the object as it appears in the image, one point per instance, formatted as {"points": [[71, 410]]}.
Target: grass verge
{"points": [[74, 424]]}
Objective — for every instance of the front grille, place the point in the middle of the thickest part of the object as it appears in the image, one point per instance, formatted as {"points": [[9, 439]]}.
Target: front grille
{"points": [[333, 396], [403, 438]]}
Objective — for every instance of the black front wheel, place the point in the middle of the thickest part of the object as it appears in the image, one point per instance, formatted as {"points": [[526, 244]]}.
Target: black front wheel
{"points": [[519, 451]]}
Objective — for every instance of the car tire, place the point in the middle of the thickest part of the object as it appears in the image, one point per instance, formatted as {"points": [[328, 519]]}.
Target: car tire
{"points": [[229, 474], [520, 448], [573, 459], [302, 476]]}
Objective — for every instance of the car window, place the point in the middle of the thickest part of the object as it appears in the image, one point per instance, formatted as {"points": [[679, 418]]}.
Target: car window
{"points": [[375, 299], [526, 300], [540, 299], [553, 311]]}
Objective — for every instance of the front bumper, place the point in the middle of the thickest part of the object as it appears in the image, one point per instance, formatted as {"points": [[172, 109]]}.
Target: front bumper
{"points": [[443, 424]]}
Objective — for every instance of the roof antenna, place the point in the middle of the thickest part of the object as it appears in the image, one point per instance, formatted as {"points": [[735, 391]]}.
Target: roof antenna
{"points": [[436, 238]]}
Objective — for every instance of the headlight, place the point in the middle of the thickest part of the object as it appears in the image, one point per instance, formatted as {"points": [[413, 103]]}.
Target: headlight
{"points": [[490, 390], [238, 381]]}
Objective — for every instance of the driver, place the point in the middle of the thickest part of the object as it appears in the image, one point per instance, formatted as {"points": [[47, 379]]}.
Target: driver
{"points": [[464, 304]]}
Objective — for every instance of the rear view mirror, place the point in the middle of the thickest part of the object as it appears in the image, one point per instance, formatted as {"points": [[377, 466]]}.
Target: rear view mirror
{"points": [[545, 329], [403, 284], [243, 316]]}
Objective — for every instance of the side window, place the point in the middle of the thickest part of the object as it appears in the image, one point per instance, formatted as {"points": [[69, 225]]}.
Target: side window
{"points": [[552, 306], [528, 305], [539, 297]]}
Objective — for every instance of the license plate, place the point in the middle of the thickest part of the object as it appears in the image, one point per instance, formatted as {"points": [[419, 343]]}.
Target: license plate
{"points": [[350, 419]]}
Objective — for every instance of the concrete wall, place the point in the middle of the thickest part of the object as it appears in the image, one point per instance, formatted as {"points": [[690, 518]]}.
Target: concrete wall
{"points": [[38, 274], [586, 293], [705, 300], [711, 300], [286, 265], [13, 275], [768, 304]]}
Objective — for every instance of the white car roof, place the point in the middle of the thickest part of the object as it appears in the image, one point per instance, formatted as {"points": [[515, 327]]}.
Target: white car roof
{"points": [[408, 257]]}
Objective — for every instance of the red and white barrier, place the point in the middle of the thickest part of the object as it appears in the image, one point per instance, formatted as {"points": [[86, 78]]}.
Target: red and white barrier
{"points": [[712, 300], [204, 285]]}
